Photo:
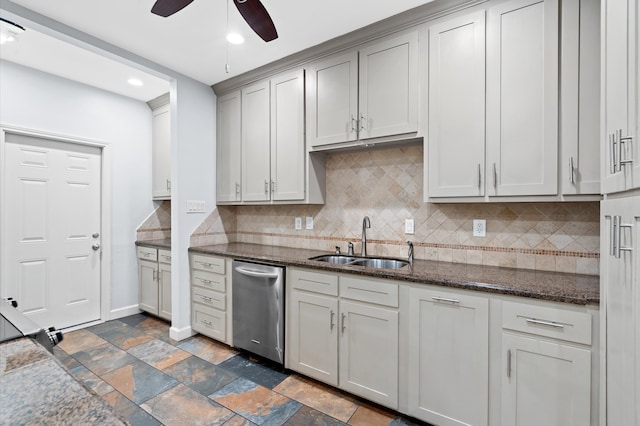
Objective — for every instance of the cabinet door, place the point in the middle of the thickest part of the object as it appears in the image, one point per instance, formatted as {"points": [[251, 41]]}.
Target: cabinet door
{"points": [[545, 383], [148, 286], [332, 100], [449, 358], [255, 143], [456, 95], [164, 288], [228, 158], [620, 298], [161, 147], [369, 352], [287, 137], [620, 96], [388, 87], [313, 336], [522, 98], [579, 171]]}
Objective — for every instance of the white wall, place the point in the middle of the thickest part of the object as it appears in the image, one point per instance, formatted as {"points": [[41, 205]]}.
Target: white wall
{"points": [[38, 101]]}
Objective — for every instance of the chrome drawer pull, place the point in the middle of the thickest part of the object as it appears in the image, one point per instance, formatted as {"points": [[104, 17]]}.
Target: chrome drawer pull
{"points": [[547, 323], [509, 363], [343, 326], [445, 299], [331, 323], [207, 323]]}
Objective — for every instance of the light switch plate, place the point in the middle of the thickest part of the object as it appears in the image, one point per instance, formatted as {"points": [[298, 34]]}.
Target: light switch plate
{"points": [[195, 206], [298, 223], [309, 222], [408, 226]]}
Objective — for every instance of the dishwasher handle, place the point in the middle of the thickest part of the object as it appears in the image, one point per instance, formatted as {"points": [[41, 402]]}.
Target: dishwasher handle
{"points": [[258, 274]]}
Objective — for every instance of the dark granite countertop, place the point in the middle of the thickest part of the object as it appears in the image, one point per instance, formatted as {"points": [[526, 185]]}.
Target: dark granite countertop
{"points": [[553, 286], [36, 389], [161, 244]]}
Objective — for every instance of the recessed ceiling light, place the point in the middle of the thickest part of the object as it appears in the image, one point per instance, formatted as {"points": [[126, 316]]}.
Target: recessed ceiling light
{"points": [[135, 82], [235, 38], [9, 30]]}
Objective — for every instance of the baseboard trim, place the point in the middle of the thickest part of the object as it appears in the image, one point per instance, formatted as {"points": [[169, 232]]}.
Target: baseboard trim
{"points": [[180, 333], [123, 312]]}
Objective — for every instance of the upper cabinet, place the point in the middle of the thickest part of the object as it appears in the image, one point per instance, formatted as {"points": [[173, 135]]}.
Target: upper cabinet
{"points": [[620, 146], [455, 152], [370, 94], [530, 121], [522, 98], [262, 155], [228, 147], [161, 148]]}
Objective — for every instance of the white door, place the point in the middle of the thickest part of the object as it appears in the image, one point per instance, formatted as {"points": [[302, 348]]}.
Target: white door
{"points": [[51, 229]]}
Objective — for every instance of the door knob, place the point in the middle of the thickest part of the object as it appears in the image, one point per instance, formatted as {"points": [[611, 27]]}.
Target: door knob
{"points": [[96, 247], [95, 235]]}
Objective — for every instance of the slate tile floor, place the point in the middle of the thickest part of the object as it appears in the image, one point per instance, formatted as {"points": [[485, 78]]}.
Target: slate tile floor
{"points": [[151, 379]]}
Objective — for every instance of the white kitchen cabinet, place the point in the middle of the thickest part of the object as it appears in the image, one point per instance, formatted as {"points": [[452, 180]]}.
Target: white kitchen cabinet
{"points": [[522, 98], [620, 81], [211, 296], [448, 357], [331, 337], [256, 176], [579, 168], [620, 301], [161, 150], [154, 281], [455, 153], [228, 145], [546, 366], [287, 137], [363, 95]]}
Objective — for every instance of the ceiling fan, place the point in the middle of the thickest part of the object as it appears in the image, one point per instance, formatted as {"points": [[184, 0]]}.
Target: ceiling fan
{"points": [[251, 10]]}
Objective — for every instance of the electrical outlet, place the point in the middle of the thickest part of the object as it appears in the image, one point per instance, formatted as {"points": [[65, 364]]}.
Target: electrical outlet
{"points": [[479, 228], [298, 223], [309, 222], [408, 226]]}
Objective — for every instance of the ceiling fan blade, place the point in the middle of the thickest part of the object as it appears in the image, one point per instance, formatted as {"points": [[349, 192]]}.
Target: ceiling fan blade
{"points": [[166, 8], [258, 18]]}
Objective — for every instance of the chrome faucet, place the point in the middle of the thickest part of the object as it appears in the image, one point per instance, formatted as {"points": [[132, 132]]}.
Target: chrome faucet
{"points": [[350, 249], [410, 254], [365, 224]]}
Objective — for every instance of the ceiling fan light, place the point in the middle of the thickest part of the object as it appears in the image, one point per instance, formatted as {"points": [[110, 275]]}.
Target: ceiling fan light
{"points": [[235, 38]]}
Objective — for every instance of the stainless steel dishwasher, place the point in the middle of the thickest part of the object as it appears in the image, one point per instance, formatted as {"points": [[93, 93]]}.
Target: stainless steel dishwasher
{"points": [[258, 309]]}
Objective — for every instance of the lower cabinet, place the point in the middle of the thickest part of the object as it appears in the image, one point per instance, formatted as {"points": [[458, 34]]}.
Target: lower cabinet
{"points": [[546, 366], [334, 332], [445, 356], [448, 357], [211, 296], [154, 281]]}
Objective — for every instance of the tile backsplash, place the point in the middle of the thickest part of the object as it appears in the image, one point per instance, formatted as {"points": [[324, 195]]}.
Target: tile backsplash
{"points": [[386, 185], [158, 225]]}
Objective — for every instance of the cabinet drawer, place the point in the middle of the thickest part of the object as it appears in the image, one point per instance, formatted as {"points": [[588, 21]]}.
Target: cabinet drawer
{"points": [[164, 256], [209, 280], [548, 322], [209, 298], [147, 253], [369, 290], [315, 282], [208, 263], [210, 322]]}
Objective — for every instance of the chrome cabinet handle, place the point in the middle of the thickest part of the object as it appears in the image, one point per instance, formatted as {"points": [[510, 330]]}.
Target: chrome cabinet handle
{"points": [[354, 123], [266, 186], [495, 176], [362, 120], [479, 176], [445, 299], [509, 363], [623, 141], [343, 326], [615, 245], [331, 323], [207, 323], [237, 190], [612, 235], [572, 179], [541, 322], [168, 185], [613, 166], [273, 186]]}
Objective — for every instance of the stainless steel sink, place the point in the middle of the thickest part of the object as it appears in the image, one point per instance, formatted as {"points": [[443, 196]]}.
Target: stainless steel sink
{"points": [[367, 262], [380, 263], [334, 258]]}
